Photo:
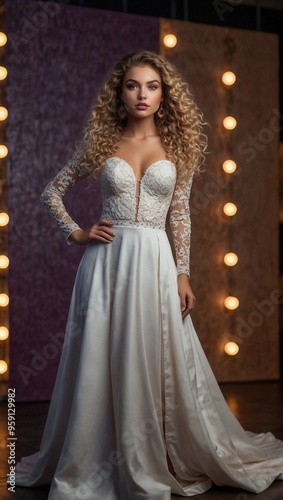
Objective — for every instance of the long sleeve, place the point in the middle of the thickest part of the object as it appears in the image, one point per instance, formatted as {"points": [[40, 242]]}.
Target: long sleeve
{"points": [[52, 195], [180, 224]]}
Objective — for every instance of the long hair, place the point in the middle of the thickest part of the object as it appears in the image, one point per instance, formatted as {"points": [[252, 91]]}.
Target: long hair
{"points": [[180, 129]]}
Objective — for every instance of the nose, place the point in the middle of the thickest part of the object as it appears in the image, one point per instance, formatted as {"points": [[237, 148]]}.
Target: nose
{"points": [[142, 94]]}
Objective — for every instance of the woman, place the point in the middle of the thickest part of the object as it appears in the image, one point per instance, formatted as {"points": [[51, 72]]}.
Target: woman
{"points": [[136, 411]]}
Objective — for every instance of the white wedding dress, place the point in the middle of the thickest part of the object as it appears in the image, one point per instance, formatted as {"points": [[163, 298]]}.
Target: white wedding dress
{"points": [[134, 386]]}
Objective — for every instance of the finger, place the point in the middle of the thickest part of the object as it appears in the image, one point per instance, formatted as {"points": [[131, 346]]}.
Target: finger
{"points": [[188, 307], [100, 229], [100, 238], [106, 234], [183, 304], [103, 232], [105, 222], [107, 230]]}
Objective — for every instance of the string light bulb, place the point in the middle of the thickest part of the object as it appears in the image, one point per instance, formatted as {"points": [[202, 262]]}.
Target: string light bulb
{"points": [[231, 303], [230, 209], [3, 73], [229, 122], [231, 348], [229, 166], [3, 366], [228, 78], [170, 40], [3, 113], [3, 39], [4, 219], [4, 300], [3, 150], [4, 261], [4, 333], [230, 259]]}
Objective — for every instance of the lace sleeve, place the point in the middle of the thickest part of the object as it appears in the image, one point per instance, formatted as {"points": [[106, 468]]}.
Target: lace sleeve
{"points": [[180, 224], [52, 195]]}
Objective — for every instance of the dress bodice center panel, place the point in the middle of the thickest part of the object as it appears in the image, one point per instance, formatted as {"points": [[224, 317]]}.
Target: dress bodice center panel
{"points": [[144, 202]]}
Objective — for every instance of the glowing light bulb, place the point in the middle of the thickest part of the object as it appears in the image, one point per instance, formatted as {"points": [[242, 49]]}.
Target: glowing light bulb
{"points": [[229, 166], [4, 333], [230, 259], [231, 348], [231, 303], [4, 261], [230, 209], [4, 300], [3, 151], [3, 39], [3, 113], [4, 219], [170, 40], [228, 78], [3, 366], [229, 122], [3, 73]]}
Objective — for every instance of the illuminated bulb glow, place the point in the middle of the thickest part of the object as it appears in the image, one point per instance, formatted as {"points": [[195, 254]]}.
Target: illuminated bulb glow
{"points": [[229, 166], [3, 39], [170, 40], [231, 303], [4, 300], [4, 261], [3, 73], [230, 259], [230, 209], [4, 333], [229, 122], [231, 348], [3, 151], [3, 113], [4, 219], [228, 78], [3, 366]]}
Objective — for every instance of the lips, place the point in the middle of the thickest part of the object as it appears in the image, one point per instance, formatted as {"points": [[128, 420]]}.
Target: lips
{"points": [[141, 106]]}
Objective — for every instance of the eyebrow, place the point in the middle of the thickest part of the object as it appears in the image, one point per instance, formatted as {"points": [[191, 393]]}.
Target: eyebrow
{"points": [[150, 81]]}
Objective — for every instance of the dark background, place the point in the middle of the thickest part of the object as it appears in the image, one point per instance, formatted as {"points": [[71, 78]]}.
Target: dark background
{"points": [[266, 16]]}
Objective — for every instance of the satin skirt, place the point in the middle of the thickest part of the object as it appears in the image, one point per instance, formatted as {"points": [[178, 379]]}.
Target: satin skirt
{"points": [[134, 391]]}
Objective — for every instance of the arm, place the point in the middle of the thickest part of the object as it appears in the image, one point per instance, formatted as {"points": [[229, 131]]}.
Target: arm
{"points": [[180, 223], [52, 199], [52, 195]]}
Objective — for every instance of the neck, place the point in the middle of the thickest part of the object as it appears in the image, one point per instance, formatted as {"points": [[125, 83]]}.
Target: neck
{"points": [[140, 128]]}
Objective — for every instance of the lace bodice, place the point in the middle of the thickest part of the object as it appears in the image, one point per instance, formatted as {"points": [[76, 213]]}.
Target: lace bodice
{"points": [[128, 201]]}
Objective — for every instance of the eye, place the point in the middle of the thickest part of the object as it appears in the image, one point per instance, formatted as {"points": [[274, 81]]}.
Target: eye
{"points": [[153, 87], [131, 86]]}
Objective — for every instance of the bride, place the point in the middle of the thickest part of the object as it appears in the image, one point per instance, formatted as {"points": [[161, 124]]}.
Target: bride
{"points": [[136, 412]]}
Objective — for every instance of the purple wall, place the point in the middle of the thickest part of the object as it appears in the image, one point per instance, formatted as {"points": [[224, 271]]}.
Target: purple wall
{"points": [[57, 57]]}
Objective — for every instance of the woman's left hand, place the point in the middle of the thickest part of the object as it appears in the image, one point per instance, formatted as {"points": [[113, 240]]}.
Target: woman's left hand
{"points": [[187, 298]]}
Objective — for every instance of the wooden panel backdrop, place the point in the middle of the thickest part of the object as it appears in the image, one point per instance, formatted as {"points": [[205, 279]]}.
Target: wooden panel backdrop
{"points": [[202, 54]]}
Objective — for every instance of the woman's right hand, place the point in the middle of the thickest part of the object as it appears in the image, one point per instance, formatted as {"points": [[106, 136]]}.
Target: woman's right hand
{"points": [[101, 231]]}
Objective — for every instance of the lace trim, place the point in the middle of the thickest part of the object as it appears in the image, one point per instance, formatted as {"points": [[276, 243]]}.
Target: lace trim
{"points": [[130, 223]]}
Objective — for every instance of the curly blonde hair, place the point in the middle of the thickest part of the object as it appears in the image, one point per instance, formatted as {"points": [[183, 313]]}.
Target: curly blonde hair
{"points": [[180, 129]]}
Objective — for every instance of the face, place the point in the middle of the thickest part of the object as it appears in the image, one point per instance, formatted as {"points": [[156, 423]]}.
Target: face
{"points": [[141, 91]]}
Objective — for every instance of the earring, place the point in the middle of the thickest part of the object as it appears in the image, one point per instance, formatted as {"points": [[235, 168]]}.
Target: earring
{"points": [[161, 111], [122, 112]]}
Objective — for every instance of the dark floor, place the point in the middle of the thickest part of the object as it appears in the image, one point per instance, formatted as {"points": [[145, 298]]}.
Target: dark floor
{"points": [[258, 407]]}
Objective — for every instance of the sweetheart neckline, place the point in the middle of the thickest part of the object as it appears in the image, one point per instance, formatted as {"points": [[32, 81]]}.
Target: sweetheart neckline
{"points": [[131, 168]]}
